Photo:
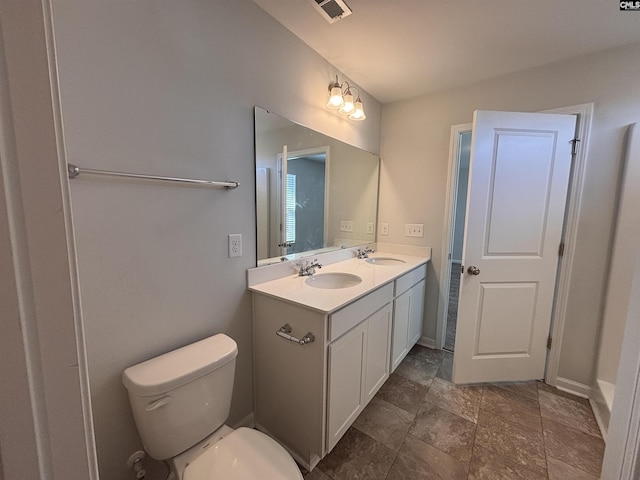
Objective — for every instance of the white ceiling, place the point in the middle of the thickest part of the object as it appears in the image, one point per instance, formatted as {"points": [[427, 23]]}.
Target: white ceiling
{"points": [[397, 49]]}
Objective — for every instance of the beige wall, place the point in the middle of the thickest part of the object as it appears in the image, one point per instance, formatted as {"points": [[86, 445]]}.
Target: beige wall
{"points": [[415, 148], [168, 88]]}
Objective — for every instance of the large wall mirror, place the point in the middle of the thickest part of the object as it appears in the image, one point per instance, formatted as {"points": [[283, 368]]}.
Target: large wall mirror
{"points": [[313, 193]]}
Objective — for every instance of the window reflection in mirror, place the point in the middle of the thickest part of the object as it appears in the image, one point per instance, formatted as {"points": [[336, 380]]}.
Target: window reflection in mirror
{"points": [[323, 197]]}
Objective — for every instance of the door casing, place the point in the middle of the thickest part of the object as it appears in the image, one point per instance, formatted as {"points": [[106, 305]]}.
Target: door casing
{"points": [[584, 114]]}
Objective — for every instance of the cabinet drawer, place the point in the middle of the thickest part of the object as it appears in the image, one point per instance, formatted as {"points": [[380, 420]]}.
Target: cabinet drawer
{"points": [[409, 279], [344, 320]]}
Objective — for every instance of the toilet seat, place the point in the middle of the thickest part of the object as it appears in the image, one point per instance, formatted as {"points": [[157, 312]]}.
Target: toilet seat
{"points": [[243, 454]]}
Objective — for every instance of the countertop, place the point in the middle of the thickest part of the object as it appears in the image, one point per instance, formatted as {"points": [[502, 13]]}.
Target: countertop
{"points": [[293, 288]]}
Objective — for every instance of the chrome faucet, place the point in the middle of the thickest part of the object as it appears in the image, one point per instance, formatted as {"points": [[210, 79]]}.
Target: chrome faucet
{"points": [[307, 268], [364, 252]]}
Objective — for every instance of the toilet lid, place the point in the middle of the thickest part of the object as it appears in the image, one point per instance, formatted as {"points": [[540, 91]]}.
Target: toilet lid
{"points": [[244, 454]]}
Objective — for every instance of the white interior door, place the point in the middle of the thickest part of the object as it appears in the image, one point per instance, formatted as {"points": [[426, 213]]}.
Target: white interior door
{"points": [[519, 174]]}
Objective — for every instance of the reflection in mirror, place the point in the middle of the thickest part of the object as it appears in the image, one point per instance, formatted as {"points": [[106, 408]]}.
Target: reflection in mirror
{"points": [[313, 193], [303, 191]]}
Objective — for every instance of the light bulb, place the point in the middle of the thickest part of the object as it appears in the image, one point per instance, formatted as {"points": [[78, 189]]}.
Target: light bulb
{"points": [[348, 106], [335, 98], [358, 111]]}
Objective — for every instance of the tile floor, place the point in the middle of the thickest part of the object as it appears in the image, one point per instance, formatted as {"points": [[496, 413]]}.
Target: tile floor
{"points": [[421, 426]]}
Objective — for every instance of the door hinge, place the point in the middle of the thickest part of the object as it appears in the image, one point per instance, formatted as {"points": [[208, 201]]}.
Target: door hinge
{"points": [[574, 146], [549, 341], [561, 249]]}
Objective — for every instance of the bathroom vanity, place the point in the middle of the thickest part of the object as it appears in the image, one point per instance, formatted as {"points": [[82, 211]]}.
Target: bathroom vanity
{"points": [[355, 320]]}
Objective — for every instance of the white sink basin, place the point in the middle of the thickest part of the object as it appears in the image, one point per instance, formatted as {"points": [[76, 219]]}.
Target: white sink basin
{"points": [[333, 280], [384, 261]]}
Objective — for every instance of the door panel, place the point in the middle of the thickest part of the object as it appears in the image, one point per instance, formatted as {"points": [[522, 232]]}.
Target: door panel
{"points": [[519, 182], [513, 300], [519, 174]]}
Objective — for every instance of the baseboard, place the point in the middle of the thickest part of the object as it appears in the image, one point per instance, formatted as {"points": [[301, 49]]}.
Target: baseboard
{"points": [[606, 392], [427, 342], [602, 417], [601, 403], [575, 388], [247, 421]]}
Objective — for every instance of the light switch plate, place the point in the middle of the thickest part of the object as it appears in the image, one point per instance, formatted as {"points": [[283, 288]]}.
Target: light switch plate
{"points": [[346, 226], [414, 230]]}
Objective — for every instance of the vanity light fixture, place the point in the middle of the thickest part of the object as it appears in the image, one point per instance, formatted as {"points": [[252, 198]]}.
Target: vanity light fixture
{"points": [[341, 99]]}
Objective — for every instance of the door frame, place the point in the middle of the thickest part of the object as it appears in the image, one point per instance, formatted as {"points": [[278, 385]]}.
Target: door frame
{"points": [[280, 182], [447, 233], [584, 114], [48, 371]]}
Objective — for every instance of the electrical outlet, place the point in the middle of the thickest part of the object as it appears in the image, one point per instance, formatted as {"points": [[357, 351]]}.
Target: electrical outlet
{"points": [[414, 230], [384, 229], [346, 226], [370, 228], [235, 245]]}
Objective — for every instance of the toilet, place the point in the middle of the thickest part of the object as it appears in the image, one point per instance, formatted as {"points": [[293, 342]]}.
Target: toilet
{"points": [[180, 401]]}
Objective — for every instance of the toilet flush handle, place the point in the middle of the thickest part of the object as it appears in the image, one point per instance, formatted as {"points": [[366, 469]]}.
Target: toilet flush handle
{"points": [[161, 402]]}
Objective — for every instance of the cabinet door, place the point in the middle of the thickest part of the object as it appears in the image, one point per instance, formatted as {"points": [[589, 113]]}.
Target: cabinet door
{"points": [[346, 395], [416, 312], [378, 345], [401, 309]]}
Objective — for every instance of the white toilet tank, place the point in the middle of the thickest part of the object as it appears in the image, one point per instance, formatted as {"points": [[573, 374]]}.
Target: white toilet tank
{"points": [[182, 396]]}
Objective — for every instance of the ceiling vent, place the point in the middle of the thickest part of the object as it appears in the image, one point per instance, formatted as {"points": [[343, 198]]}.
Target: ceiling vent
{"points": [[332, 10]]}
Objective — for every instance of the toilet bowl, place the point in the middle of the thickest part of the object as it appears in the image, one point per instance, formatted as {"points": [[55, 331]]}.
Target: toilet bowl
{"points": [[180, 401], [240, 454]]}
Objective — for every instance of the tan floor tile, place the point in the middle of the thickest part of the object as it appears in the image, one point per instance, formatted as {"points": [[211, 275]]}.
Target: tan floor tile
{"points": [[511, 406], [384, 422], [418, 369], [526, 389], [357, 456], [418, 460], [461, 400], [486, 465], [568, 412], [573, 447], [562, 471], [316, 475], [445, 371], [519, 444], [444, 430], [428, 353], [403, 393]]}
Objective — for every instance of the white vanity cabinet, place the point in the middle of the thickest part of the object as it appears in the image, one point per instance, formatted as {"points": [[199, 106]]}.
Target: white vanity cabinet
{"points": [[408, 308], [307, 396], [358, 362]]}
